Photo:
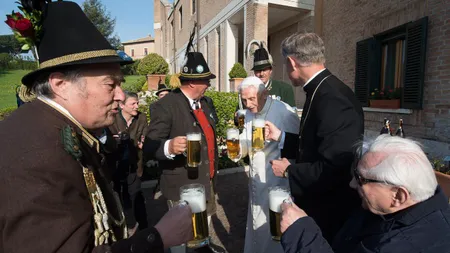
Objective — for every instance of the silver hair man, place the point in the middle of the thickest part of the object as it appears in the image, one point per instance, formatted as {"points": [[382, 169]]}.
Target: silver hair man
{"points": [[253, 94], [305, 48], [399, 162]]}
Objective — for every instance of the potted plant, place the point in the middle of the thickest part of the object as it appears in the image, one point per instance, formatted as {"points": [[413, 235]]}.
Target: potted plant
{"points": [[155, 68], [388, 98], [237, 74], [442, 172]]}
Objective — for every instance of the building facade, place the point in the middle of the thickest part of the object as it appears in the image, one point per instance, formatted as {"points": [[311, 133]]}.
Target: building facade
{"points": [[369, 45], [139, 48]]}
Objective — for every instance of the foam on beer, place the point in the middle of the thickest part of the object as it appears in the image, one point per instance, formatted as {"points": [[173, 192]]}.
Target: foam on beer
{"points": [[195, 198], [194, 137], [276, 198], [259, 123], [232, 134]]}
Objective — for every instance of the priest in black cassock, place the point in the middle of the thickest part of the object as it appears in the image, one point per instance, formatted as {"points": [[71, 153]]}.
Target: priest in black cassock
{"points": [[332, 123]]}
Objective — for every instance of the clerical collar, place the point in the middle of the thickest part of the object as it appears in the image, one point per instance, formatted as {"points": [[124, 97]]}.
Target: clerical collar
{"points": [[314, 76]]}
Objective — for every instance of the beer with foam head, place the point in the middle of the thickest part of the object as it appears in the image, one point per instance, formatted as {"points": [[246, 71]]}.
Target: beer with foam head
{"points": [[258, 134], [194, 194], [241, 118], [233, 147], [194, 149], [277, 195]]}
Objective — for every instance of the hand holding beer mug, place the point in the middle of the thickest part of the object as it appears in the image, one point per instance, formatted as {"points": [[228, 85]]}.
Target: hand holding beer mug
{"points": [[271, 132], [241, 118], [194, 149], [277, 195], [233, 147], [177, 145], [194, 195], [258, 135], [290, 214]]}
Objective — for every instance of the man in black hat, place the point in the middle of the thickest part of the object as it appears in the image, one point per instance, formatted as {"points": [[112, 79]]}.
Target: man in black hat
{"points": [[162, 90], [54, 192], [185, 110], [262, 67]]}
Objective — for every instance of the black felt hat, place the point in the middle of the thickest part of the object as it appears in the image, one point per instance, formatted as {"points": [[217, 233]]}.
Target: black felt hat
{"points": [[162, 87], [195, 66], [69, 38], [261, 59]]}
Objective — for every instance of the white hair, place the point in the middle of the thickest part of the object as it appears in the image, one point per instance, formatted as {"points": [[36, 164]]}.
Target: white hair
{"points": [[405, 164], [252, 81]]}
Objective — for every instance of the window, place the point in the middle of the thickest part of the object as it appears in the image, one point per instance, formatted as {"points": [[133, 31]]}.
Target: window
{"points": [[394, 59], [132, 52], [180, 17], [193, 6], [145, 51]]}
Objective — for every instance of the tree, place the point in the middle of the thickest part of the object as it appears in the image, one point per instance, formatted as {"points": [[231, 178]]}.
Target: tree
{"points": [[102, 19], [9, 44]]}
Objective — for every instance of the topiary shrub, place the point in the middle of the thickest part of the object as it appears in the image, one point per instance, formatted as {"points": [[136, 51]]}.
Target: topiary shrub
{"points": [[135, 86], [237, 71], [153, 64]]}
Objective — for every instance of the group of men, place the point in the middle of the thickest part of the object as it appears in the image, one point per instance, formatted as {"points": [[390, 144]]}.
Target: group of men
{"points": [[57, 189]]}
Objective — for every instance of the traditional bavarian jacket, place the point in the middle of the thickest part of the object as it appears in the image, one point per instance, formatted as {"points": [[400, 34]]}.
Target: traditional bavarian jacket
{"points": [[53, 191]]}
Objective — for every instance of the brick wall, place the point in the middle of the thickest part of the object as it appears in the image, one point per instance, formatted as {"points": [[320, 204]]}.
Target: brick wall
{"points": [[210, 8], [256, 19], [346, 22]]}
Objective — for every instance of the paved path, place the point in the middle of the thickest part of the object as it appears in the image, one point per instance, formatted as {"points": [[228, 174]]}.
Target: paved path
{"points": [[228, 227]]}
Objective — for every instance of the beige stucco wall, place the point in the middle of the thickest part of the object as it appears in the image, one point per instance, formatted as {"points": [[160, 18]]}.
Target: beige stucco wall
{"points": [[139, 49]]}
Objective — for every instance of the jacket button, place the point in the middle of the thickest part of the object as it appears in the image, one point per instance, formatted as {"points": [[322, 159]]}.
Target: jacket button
{"points": [[206, 162], [151, 238], [132, 248]]}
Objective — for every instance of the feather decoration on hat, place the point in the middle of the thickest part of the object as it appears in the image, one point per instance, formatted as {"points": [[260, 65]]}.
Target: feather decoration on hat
{"points": [[261, 45], [190, 45]]}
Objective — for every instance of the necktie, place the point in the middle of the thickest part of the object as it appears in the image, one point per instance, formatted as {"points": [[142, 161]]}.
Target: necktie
{"points": [[196, 106]]}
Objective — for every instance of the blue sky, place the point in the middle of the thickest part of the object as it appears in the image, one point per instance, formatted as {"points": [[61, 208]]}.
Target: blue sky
{"points": [[134, 18]]}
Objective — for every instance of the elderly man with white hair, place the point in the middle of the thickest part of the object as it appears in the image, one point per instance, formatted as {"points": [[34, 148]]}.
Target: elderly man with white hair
{"points": [[261, 107], [403, 208]]}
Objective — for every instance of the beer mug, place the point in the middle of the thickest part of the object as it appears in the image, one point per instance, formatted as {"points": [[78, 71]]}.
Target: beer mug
{"points": [[258, 134], [233, 147], [241, 118], [194, 149], [277, 195], [195, 195]]}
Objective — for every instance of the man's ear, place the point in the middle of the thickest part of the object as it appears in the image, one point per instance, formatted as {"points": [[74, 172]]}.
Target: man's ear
{"points": [[292, 62], [58, 84], [401, 196]]}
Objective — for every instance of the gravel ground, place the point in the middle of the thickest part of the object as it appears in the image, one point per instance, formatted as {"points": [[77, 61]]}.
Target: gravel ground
{"points": [[228, 226]]}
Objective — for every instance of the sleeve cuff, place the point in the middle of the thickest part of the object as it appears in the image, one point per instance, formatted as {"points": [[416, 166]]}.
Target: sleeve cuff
{"points": [[166, 150]]}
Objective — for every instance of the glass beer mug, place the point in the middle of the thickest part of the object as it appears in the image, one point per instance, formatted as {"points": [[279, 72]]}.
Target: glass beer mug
{"points": [[195, 195], [241, 118], [233, 147], [193, 149], [277, 195], [258, 134]]}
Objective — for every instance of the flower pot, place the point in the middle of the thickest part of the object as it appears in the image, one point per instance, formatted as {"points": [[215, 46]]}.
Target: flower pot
{"points": [[153, 80], [234, 83], [385, 103], [444, 182]]}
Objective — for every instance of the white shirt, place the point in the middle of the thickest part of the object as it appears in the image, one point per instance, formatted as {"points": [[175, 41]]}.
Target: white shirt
{"points": [[166, 144]]}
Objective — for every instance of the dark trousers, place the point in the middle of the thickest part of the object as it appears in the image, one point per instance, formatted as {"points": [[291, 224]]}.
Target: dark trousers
{"points": [[128, 185]]}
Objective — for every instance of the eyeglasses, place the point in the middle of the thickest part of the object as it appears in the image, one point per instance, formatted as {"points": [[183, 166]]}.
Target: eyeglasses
{"points": [[361, 180]]}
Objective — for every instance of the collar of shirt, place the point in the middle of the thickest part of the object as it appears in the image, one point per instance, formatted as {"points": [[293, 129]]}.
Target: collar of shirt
{"points": [[309, 80], [62, 109], [191, 101]]}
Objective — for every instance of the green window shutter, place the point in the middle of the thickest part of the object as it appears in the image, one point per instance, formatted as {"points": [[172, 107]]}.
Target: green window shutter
{"points": [[416, 44], [367, 69]]}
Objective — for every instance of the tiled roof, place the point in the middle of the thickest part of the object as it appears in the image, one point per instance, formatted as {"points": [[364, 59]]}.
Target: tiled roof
{"points": [[141, 40]]}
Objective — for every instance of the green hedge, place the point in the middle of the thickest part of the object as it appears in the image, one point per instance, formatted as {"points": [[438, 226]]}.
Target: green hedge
{"points": [[135, 86], [130, 69], [153, 64], [8, 62]]}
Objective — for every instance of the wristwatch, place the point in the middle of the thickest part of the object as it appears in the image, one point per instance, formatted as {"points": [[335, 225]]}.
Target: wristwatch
{"points": [[285, 173]]}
